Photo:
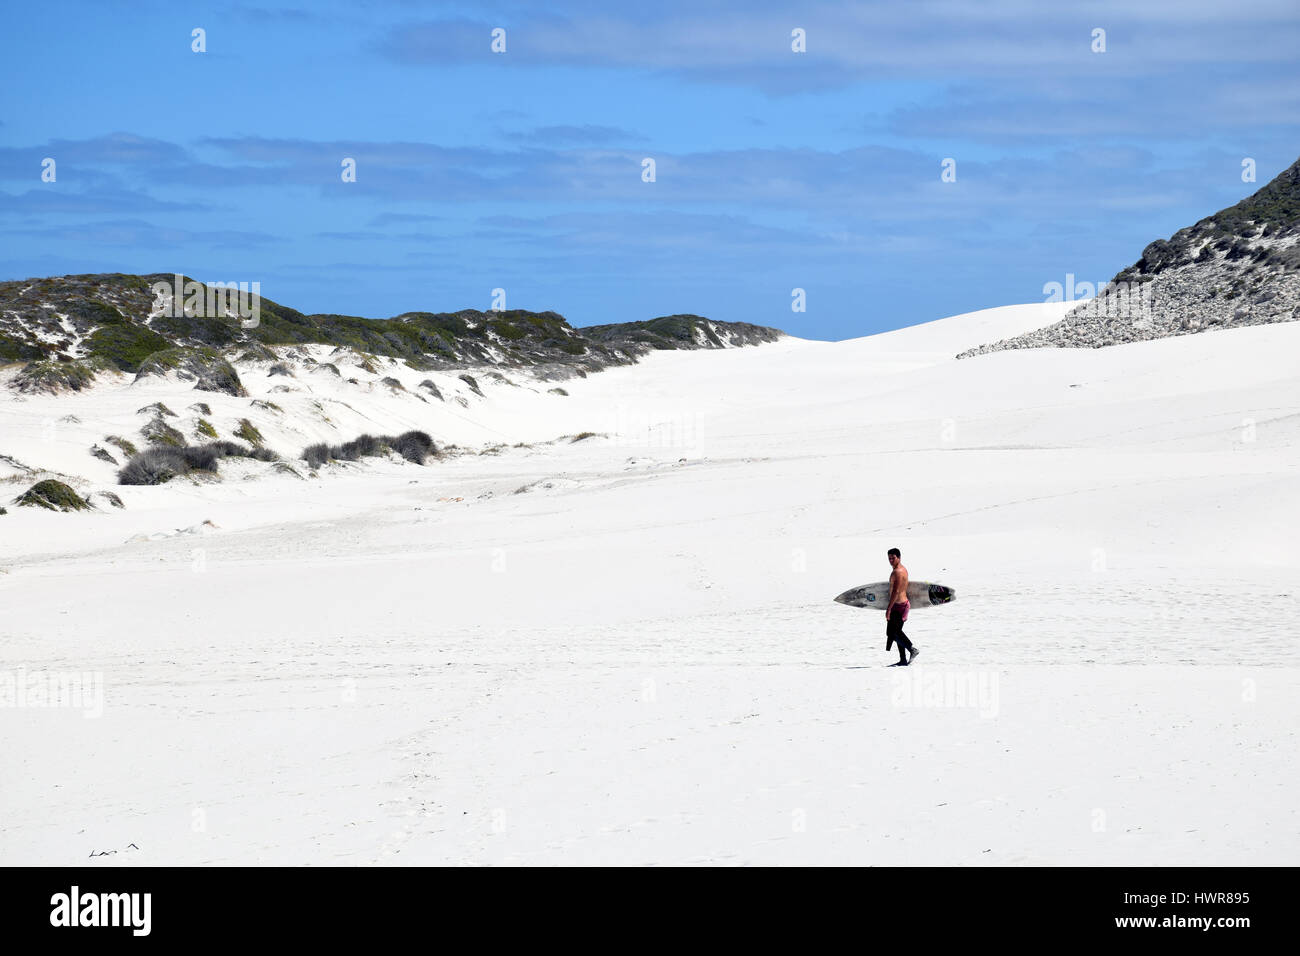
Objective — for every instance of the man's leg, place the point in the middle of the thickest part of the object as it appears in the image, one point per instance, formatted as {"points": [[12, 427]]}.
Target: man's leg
{"points": [[905, 643], [896, 632]]}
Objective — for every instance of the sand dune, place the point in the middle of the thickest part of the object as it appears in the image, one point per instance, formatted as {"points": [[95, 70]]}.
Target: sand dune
{"points": [[623, 649]]}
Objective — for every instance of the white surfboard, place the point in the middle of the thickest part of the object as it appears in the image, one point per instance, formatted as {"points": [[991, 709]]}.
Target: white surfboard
{"points": [[919, 594]]}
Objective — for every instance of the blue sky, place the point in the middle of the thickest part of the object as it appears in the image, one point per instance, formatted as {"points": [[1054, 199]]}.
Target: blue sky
{"points": [[523, 170]]}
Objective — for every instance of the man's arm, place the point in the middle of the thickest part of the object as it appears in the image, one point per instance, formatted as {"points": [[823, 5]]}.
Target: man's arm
{"points": [[893, 588]]}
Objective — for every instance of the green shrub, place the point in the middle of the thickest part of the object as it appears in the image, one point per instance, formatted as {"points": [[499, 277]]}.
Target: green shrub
{"points": [[17, 350], [127, 447], [94, 312], [208, 367], [125, 346], [154, 466], [248, 432], [204, 330], [157, 409], [53, 376], [53, 496], [163, 463], [158, 432], [414, 446]]}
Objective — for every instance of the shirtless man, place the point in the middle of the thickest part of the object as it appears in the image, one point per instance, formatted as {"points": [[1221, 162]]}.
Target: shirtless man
{"points": [[896, 610]]}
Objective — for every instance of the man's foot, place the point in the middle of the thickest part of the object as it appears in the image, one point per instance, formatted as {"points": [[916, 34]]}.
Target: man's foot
{"points": [[899, 664], [911, 654]]}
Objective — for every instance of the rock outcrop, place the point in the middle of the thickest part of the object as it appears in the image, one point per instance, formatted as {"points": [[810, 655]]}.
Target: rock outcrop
{"points": [[1239, 267]]}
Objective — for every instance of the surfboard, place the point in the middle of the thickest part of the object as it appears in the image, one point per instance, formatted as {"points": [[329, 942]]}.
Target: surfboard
{"points": [[919, 594]]}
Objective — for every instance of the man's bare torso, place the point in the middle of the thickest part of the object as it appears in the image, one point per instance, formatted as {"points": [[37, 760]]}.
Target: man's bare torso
{"points": [[898, 585]]}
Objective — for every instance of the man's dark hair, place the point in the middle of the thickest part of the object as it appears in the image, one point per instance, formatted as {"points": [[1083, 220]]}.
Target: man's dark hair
{"points": [[895, 553]]}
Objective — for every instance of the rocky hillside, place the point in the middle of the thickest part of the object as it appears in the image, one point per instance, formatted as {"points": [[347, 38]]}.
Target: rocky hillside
{"points": [[68, 329], [680, 332], [1240, 266]]}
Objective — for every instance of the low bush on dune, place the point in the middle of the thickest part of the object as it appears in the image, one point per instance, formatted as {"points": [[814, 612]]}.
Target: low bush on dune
{"points": [[157, 410], [127, 447], [158, 433], [200, 457], [52, 376], [164, 462], [52, 496], [233, 449], [124, 345], [248, 431], [316, 455], [414, 446], [363, 446], [205, 366], [227, 448], [154, 466]]}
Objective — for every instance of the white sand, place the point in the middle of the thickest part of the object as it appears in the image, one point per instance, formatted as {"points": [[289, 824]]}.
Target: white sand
{"points": [[638, 661]]}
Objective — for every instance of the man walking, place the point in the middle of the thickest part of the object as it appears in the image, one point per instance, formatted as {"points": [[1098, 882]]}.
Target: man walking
{"points": [[896, 611]]}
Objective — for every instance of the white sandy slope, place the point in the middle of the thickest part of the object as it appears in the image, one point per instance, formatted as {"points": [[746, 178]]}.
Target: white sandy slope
{"points": [[637, 659]]}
